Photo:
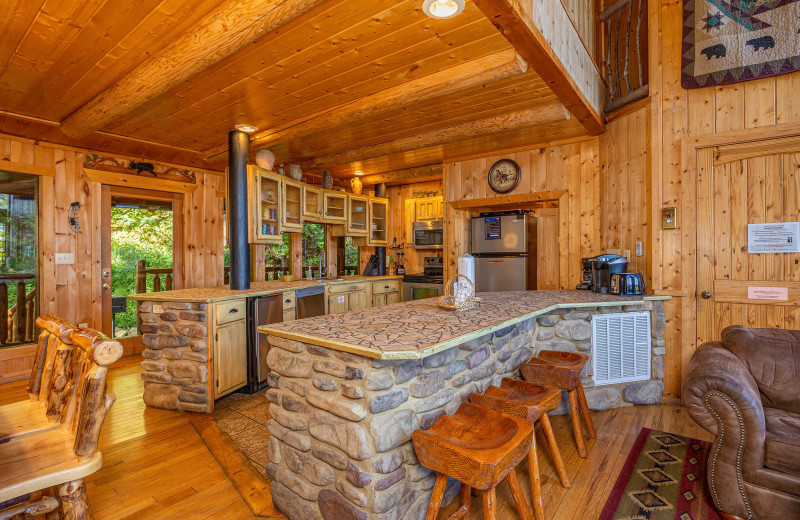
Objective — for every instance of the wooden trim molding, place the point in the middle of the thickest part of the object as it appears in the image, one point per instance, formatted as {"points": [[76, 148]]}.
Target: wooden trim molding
{"points": [[110, 178], [32, 169], [737, 152], [521, 198]]}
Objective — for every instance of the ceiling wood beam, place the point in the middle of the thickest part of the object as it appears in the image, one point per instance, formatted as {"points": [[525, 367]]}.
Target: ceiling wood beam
{"points": [[493, 125], [409, 176], [486, 69], [519, 29], [223, 32]]}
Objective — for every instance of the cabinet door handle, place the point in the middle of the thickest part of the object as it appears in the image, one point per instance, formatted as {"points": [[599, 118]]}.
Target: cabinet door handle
{"points": [[233, 311], [385, 286], [288, 301]]}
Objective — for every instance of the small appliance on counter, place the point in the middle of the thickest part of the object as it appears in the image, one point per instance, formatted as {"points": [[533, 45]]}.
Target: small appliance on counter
{"points": [[627, 284], [428, 234], [603, 267], [586, 275], [426, 285]]}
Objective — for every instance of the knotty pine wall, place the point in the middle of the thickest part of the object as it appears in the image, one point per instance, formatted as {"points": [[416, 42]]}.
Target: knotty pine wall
{"points": [[573, 167], [73, 292], [676, 114], [399, 219]]}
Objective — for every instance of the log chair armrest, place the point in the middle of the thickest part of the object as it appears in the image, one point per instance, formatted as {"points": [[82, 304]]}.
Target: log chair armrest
{"points": [[722, 396]]}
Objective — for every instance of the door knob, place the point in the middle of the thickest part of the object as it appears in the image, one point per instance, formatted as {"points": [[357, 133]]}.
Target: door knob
{"points": [[106, 274], [706, 295], [106, 286]]}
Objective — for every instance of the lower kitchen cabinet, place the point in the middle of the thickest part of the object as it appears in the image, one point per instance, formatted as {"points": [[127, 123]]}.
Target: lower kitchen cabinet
{"points": [[346, 297], [385, 292], [230, 356]]}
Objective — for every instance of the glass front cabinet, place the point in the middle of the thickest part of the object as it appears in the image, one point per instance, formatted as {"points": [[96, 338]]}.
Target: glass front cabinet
{"points": [[292, 195], [265, 216], [312, 204], [334, 206], [357, 215], [378, 214]]}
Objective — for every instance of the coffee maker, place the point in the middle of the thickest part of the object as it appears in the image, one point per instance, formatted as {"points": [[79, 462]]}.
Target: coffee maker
{"points": [[586, 275], [603, 267]]}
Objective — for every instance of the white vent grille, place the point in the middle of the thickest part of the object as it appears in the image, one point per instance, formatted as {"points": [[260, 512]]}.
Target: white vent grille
{"points": [[620, 347]]}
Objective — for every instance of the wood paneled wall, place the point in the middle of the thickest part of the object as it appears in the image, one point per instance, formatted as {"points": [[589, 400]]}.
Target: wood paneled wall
{"points": [[73, 291], [625, 171], [584, 17], [573, 167], [676, 114], [398, 220]]}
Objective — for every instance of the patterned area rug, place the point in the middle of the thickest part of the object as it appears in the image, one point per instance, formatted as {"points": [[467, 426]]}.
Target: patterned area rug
{"points": [[727, 41], [663, 479]]}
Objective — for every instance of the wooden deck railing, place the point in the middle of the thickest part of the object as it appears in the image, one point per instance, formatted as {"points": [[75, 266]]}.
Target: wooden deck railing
{"points": [[19, 326], [142, 272], [624, 45], [274, 273]]}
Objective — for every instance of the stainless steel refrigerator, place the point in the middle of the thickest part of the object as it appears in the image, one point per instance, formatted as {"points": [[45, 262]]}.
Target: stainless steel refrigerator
{"points": [[500, 248]]}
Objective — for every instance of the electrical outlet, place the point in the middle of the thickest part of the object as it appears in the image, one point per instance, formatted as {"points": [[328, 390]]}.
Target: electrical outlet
{"points": [[639, 249], [627, 254], [669, 218], [65, 258]]}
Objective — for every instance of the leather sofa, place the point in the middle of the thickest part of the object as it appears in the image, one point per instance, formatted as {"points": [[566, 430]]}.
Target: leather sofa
{"points": [[745, 390]]}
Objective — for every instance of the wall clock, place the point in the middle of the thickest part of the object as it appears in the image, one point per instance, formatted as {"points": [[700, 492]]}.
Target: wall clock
{"points": [[504, 176]]}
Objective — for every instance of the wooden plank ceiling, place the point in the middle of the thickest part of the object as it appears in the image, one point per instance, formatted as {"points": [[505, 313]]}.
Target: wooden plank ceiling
{"points": [[369, 85]]}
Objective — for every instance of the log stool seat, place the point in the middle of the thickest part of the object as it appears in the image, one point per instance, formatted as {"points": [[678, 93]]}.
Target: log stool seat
{"points": [[563, 370], [531, 402], [479, 447]]}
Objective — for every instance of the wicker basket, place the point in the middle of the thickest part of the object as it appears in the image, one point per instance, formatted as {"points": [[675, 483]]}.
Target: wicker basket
{"points": [[451, 302]]}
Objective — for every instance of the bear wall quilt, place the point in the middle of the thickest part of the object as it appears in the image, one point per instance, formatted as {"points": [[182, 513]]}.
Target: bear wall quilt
{"points": [[727, 41]]}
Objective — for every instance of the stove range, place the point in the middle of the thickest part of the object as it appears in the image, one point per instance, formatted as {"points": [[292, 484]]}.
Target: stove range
{"points": [[425, 285], [421, 278]]}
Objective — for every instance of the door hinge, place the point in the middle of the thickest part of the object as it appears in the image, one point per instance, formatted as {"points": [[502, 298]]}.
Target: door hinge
{"points": [[216, 337], [183, 269]]}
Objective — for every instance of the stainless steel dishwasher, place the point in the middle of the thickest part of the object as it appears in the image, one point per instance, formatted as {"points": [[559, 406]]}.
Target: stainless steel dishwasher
{"points": [[310, 302], [261, 310]]}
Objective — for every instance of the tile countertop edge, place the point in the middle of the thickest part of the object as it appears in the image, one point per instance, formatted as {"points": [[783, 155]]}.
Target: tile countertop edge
{"points": [[248, 293], [433, 349]]}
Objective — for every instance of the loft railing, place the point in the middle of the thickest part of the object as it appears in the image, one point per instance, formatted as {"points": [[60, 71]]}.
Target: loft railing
{"points": [[624, 30], [142, 272], [19, 326]]}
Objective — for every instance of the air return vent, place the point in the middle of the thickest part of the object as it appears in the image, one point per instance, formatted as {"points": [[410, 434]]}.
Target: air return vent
{"points": [[620, 347]]}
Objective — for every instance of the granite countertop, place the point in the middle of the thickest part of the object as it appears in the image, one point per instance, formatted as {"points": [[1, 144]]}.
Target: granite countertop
{"points": [[224, 292], [417, 329]]}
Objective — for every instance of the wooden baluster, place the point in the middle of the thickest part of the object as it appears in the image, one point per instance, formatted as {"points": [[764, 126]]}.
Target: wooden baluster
{"points": [[141, 276], [156, 283], [31, 314], [169, 282], [3, 312], [22, 309]]}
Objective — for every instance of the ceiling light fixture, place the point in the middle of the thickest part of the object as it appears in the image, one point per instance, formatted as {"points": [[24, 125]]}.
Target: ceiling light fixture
{"points": [[246, 128], [358, 172], [441, 9]]}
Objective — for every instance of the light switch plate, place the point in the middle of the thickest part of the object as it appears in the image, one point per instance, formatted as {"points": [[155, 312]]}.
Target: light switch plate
{"points": [[65, 258], [669, 218], [639, 249]]}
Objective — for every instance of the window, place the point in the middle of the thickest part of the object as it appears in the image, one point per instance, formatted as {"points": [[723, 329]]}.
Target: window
{"points": [[277, 258], [313, 247], [350, 257], [18, 253]]}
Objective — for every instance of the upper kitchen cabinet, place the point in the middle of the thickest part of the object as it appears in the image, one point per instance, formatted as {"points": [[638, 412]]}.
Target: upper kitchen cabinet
{"points": [[431, 208], [291, 211], [378, 217], [357, 215], [265, 214], [312, 204], [335, 206]]}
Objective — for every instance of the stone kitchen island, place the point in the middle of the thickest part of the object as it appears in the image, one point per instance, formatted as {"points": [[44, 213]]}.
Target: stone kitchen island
{"points": [[348, 390]]}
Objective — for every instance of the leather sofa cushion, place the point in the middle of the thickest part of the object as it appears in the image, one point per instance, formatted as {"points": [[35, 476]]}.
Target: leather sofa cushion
{"points": [[782, 446], [772, 356]]}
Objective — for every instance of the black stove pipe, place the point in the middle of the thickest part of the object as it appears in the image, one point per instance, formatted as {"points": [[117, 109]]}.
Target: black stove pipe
{"points": [[381, 252], [238, 156]]}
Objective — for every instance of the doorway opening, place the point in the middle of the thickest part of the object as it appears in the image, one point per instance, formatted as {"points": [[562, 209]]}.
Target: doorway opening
{"points": [[142, 254], [18, 258]]}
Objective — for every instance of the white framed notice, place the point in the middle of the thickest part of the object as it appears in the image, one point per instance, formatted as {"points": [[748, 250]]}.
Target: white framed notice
{"points": [[774, 237]]}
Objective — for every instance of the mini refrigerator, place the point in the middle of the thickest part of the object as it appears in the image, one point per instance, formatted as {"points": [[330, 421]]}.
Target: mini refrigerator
{"points": [[500, 248]]}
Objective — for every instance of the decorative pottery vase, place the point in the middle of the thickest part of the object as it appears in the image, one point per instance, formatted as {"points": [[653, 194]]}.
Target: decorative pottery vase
{"points": [[327, 180], [281, 171], [265, 159], [356, 185], [295, 172]]}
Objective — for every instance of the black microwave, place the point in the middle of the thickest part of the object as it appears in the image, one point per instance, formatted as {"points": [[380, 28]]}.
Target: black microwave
{"points": [[429, 234]]}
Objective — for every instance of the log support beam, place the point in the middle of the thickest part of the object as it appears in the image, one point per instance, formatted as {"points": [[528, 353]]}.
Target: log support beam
{"points": [[410, 176], [519, 29]]}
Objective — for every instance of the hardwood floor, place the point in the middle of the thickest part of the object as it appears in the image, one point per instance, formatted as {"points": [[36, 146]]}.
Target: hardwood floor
{"points": [[157, 467]]}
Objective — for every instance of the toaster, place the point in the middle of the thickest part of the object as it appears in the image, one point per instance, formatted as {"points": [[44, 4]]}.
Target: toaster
{"points": [[627, 284]]}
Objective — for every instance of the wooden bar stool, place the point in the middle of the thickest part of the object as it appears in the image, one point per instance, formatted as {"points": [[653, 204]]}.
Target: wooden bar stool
{"points": [[479, 447], [563, 370], [530, 402]]}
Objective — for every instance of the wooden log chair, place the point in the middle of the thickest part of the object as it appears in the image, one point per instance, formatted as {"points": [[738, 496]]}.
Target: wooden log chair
{"points": [[48, 444], [481, 448], [563, 370], [530, 402]]}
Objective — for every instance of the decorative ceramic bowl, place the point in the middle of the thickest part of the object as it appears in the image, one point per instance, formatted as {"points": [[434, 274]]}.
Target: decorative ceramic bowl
{"points": [[288, 278]]}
